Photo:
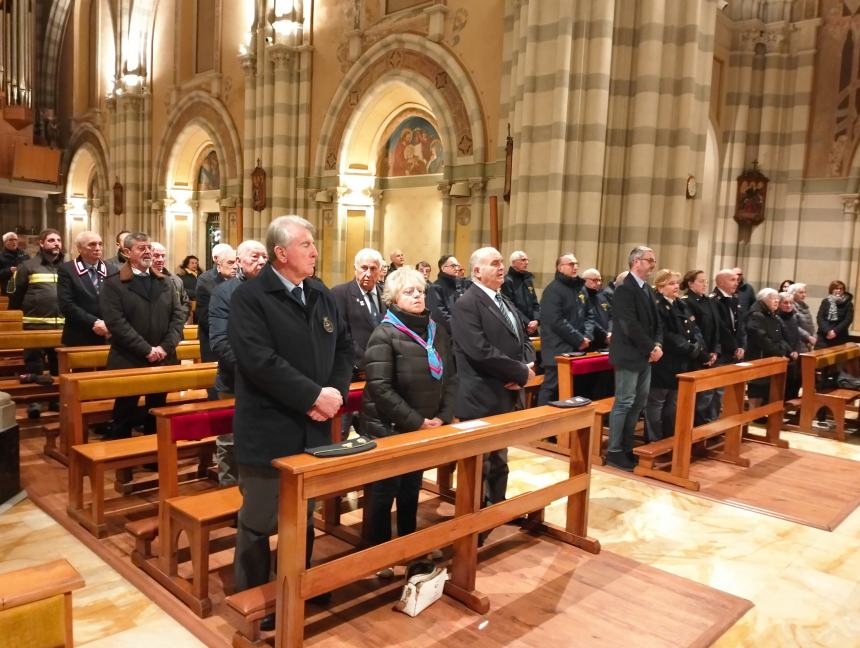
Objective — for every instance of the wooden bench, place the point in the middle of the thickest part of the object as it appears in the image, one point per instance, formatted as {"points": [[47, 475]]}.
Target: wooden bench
{"points": [[11, 320], [83, 394], [91, 358], [836, 400], [200, 514], [16, 342], [42, 597], [669, 459], [304, 477]]}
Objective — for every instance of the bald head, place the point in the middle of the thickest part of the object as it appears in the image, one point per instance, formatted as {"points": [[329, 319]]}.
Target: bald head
{"points": [[727, 280]]}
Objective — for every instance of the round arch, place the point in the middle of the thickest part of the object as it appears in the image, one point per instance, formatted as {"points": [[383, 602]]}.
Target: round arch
{"points": [[85, 167], [198, 123], [419, 63]]}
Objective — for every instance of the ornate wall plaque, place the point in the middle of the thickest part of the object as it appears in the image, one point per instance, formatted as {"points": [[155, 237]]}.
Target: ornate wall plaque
{"points": [[258, 188], [752, 192]]}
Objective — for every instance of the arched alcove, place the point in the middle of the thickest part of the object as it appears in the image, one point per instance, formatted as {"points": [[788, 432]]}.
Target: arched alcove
{"points": [[87, 196]]}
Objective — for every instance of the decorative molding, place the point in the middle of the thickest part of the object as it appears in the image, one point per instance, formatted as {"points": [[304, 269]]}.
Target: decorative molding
{"points": [[774, 36], [228, 202], [279, 55], [249, 64], [354, 44], [436, 28], [477, 186], [850, 204]]}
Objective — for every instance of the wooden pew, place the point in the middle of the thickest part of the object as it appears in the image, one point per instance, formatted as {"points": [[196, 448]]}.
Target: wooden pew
{"points": [[82, 393], [47, 591], [11, 320], [304, 477], [4, 302], [654, 460], [836, 400], [201, 514], [189, 332], [15, 342]]}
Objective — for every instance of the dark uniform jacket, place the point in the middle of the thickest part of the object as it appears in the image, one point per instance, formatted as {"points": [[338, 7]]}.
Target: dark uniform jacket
{"points": [[79, 302], [441, 296], [140, 313], [683, 345], [636, 327], [568, 318], [400, 392], [601, 308], [704, 308], [519, 287], [359, 322], [730, 326], [286, 352], [36, 293], [9, 259], [746, 298], [489, 354]]}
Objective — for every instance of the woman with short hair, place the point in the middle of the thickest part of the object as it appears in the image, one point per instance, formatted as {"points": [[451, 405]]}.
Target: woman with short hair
{"points": [[411, 385], [683, 350], [804, 315]]}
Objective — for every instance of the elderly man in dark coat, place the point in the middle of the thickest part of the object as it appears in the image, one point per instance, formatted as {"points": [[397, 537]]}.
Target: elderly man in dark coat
{"points": [[142, 311], [78, 285], [293, 367], [519, 287]]}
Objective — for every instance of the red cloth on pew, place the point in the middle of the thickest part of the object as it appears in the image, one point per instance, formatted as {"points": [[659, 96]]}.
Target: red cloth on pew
{"points": [[590, 364], [353, 402], [199, 425]]}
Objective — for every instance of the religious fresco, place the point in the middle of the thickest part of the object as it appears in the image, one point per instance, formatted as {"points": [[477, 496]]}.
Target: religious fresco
{"points": [[413, 148], [209, 176]]}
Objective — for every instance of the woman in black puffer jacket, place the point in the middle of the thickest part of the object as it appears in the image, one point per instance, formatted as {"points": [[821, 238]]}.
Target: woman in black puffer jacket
{"points": [[411, 385], [835, 316], [765, 339]]}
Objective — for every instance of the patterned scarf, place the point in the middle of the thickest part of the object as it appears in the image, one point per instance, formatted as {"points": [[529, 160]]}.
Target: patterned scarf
{"points": [[834, 301], [433, 358]]}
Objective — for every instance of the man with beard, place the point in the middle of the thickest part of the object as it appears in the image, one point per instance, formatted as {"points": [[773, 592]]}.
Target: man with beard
{"points": [[78, 285], [35, 293], [10, 258], [519, 287], [568, 322], [143, 314]]}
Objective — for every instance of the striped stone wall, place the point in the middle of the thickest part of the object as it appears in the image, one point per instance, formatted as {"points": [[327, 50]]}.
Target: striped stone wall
{"points": [[608, 105]]}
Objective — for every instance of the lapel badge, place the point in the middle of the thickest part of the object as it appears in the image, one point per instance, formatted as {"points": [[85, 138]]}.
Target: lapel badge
{"points": [[327, 325]]}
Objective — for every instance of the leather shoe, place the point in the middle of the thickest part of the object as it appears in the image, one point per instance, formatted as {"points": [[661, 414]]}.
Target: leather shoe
{"points": [[619, 460]]}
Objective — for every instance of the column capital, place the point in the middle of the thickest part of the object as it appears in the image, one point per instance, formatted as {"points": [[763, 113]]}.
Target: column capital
{"points": [[280, 55], [228, 202], [249, 63], [850, 204]]}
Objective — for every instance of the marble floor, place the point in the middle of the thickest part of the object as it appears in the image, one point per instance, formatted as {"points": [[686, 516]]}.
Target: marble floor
{"points": [[804, 582]]}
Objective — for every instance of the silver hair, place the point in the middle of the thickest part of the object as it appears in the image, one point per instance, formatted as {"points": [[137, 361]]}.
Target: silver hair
{"points": [[400, 279], [220, 249], [246, 246], [9, 235], [637, 253], [80, 238], [156, 244], [278, 234], [725, 272], [479, 255], [786, 296], [765, 293], [129, 239], [367, 253], [621, 277], [794, 288], [591, 273], [517, 255]]}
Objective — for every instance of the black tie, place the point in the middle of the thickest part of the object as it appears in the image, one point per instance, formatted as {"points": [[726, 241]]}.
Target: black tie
{"points": [[298, 294], [374, 311], [94, 277]]}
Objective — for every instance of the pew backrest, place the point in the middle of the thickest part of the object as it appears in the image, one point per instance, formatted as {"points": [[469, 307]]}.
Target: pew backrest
{"points": [[90, 358]]}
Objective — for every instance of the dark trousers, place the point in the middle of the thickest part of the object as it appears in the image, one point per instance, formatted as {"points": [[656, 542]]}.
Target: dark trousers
{"points": [[127, 414], [37, 360], [404, 490], [549, 387], [660, 413], [495, 476], [258, 519]]}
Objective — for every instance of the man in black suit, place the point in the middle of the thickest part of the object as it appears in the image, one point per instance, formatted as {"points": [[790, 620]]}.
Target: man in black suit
{"points": [[78, 284], [637, 342], [494, 357], [293, 367], [731, 332], [359, 303]]}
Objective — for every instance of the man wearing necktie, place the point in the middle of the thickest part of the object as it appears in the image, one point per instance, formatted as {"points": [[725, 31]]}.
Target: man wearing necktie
{"points": [[637, 343], [360, 304], [494, 357], [78, 284], [293, 367]]}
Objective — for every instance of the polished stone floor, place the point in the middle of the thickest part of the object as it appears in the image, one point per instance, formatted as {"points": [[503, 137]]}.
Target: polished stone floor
{"points": [[805, 583]]}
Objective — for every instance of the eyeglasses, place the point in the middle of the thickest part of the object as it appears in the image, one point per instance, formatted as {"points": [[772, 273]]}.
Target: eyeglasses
{"points": [[649, 259], [452, 265]]}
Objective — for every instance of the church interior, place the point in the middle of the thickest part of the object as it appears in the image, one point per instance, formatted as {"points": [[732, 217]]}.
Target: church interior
{"points": [[719, 133]]}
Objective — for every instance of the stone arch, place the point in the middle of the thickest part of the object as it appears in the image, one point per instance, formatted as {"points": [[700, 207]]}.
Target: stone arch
{"points": [[85, 159], [416, 61]]}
